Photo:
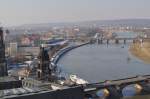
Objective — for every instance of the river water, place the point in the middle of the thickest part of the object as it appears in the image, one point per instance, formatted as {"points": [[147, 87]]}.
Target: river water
{"points": [[96, 63]]}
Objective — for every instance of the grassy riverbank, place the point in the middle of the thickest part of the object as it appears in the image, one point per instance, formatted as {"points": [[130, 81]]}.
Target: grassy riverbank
{"points": [[141, 51]]}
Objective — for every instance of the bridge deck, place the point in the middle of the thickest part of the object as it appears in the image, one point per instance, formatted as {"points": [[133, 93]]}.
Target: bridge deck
{"points": [[125, 81], [125, 38]]}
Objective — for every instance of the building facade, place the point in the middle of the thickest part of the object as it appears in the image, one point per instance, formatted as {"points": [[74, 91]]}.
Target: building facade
{"points": [[13, 49], [3, 65]]}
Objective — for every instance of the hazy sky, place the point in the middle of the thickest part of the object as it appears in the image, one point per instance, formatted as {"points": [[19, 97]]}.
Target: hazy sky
{"points": [[16, 12]]}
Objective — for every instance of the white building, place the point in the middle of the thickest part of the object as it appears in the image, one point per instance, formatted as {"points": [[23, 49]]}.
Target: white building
{"points": [[13, 49]]}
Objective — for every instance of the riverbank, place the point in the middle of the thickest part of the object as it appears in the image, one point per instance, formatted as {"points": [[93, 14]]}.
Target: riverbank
{"points": [[141, 51], [62, 51]]}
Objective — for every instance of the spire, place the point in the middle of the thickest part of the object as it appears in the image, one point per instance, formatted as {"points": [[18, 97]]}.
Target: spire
{"points": [[43, 68]]}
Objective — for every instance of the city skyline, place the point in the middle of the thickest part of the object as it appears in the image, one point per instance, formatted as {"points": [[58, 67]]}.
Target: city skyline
{"points": [[17, 12]]}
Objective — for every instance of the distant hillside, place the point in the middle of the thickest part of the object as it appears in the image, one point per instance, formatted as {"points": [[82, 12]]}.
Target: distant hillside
{"points": [[47, 26], [126, 22], [129, 22]]}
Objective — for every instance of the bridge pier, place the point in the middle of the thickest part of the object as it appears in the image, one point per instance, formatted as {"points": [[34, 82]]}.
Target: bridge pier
{"points": [[101, 41], [124, 41], [117, 41], [98, 41], [107, 41], [134, 41], [114, 93], [138, 88], [143, 88]]}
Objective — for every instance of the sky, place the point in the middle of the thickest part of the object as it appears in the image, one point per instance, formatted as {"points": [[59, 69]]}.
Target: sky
{"points": [[17, 12]]}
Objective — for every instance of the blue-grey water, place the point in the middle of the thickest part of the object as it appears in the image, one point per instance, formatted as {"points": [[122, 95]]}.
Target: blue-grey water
{"points": [[96, 63]]}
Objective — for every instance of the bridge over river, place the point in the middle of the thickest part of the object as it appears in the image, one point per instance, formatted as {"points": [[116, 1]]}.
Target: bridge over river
{"points": [[119, 37], [97, 63], [113, 89]]}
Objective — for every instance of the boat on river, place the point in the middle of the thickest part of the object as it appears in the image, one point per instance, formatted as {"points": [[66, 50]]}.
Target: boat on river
{"points": [[77, 80]]}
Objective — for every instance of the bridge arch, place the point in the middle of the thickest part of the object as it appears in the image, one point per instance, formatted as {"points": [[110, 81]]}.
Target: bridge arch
{"points": [[114, 89]]}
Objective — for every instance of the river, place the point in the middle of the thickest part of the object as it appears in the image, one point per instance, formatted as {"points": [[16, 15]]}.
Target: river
{"points": [[96, 63]]}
